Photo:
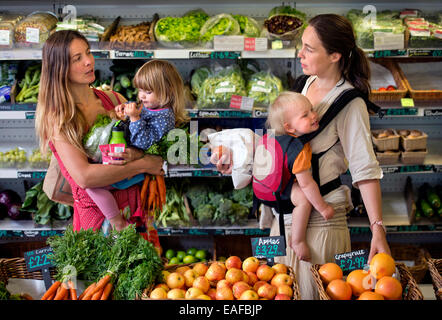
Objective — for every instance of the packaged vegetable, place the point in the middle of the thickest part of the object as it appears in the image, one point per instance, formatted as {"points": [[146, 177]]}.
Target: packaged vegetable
{"points": [[249, 27], [220, 25], [218, 88], [284, 23], [35, 29], [264, 87], [7, 27], [99, 134], [197, 79]]}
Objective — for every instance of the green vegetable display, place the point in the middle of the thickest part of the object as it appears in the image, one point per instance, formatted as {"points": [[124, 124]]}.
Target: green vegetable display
{"points": [[219, 25], [173, 213], [264, 88], [249, 27], [197, 79], [97, 135], [29, 85], [218, 88], [43, 209]]}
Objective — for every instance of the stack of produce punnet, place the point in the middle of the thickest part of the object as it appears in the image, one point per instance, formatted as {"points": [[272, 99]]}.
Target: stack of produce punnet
{"points": [[232, 279], [386, 145], [86, 25], [387, 22], [284, 23], [220, 204], [118, 266], [11, 206], [27, 88], [428, 204], [424, 32], [8, 72], [413, 146], [44, 211], [7, 28], [32, 31], [13, 158]]}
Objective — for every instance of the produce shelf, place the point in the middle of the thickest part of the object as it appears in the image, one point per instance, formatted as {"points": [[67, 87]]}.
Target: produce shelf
{"points": [[26, 230]]}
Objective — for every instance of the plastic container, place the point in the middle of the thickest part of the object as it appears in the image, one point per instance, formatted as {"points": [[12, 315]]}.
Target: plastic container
{"points": [[7, 27], [35, 29]]}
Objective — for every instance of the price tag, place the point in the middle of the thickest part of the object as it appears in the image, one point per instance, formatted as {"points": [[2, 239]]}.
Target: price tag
{"points": [[407, 102], [241, 102], [268, 247], [40, 259], [255, 44], [353, 260], [199, 54], [33, 35], [5, 37], [225, 55], [141, 54]]}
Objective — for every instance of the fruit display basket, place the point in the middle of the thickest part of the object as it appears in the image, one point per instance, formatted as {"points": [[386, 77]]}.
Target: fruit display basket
{"points": [[429, 73], [401, 87], [16, 268], [435, 268], [173, 268], [410, 290]]}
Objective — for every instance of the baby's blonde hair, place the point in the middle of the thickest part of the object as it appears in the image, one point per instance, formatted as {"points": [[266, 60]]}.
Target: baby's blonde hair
{"points": [[162, 78], [276, 116]]}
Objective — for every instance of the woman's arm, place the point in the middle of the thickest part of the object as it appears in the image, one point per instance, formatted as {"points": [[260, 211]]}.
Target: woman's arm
{"points": [[88, 175], [371, 195]]}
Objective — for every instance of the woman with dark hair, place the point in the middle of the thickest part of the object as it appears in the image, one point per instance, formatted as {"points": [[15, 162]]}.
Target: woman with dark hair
{"points": [[67, 108], [333, 62]]}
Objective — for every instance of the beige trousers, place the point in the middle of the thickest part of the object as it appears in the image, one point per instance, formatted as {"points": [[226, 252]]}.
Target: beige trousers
{"points": [[324, 239]]}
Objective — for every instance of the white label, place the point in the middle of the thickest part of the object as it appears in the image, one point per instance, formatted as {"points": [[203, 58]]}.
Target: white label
{"points": [[223, 90], [261, 89], [119, 149], [4, 37], [229, 43], [33, 35], [261, 83], [388, 41]]}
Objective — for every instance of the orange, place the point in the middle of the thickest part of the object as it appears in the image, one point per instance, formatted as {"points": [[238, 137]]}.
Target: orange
{"points": [[370, 295], [330, 271], [381, 265], [359, 281], [389, 287], [338, 289]]}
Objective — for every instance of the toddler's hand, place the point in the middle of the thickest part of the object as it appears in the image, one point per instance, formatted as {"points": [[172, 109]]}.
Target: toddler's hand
{"points": [[119, 110], [328, 212], [133, 111]]}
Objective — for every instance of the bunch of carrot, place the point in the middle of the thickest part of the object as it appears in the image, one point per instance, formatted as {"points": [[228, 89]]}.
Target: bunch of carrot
{"points": [[100, 290], [153, 193]]}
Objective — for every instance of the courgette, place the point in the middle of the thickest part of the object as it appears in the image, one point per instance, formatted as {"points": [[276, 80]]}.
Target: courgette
{"points": [[431, 196], [426, 208], [125, 82]]}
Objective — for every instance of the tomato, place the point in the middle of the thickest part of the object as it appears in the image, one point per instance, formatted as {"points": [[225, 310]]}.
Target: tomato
{"points": [[382, 89], [391, 88]]}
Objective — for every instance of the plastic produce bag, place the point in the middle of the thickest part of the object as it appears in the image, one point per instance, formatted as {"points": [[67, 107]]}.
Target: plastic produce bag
{"points": [[198, 77], [218, 88], [35, 29], [264, 87], [249, 27], [284, 23], [220, 25], [99, 134]]}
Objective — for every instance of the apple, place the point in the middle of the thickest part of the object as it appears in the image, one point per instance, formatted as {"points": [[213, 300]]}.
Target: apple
{"points": [[204, 297], [212, 293], [267, 291], [223, 283], [182, 270], [224, 293], [280, 268], [190, 276], [234, 275], [162, 285], [201, 283], [252, 278], [282, 296], [284, 289], [281, 278], [200, 268], [165, 275], [265, 272], [233, 262], [239, 287], [258, 284], [158, 293], [175, 280], [249, 295], [176, 294], [250, 264], [215, 272], [221, 264], [192, 293]]}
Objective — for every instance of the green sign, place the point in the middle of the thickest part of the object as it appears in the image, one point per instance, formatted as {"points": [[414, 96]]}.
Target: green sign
{"points": [[141, 54], [40, 259], [225, 55]]}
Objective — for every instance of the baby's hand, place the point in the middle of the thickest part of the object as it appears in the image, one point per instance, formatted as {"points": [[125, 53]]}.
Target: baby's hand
{"points": [[328, 212], [132, 110], [119, 110]]}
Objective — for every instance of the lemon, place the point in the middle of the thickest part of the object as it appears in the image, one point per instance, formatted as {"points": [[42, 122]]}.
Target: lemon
{"points": [[189, 259]]}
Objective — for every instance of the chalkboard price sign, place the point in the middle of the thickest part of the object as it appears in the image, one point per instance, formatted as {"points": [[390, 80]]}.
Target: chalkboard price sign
{"points": [[268, 247], [353, 260], [40, 259]]}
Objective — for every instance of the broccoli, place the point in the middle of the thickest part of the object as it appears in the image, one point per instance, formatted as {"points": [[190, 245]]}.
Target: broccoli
{"points": [[215, 199], [243, 196], [197, 195], [204, 213], [240, 213]]}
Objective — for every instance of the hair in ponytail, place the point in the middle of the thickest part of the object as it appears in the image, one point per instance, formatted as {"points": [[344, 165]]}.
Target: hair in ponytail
{"points": [[337, 35]]}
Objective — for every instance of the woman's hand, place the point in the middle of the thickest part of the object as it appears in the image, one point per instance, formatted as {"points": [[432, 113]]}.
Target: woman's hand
{"points": [[223, 164], [153, 164], [130, 154], [378, 242]]}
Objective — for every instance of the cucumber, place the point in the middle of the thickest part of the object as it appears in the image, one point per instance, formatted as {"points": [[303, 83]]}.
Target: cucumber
{"points": [[418, 214], [431, 196], [426, 208]]}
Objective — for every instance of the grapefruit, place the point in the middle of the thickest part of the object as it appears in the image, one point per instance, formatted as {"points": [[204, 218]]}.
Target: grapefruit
{"points": [[389, 287], [338, 289], [382, 265], [329, 272], [359, 281]]}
